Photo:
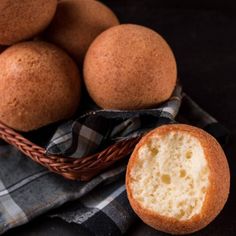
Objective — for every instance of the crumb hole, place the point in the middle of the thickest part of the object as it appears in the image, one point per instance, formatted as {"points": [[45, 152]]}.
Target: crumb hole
{"points": [[191, 185], [181, 214], [190, 209], [188, 154], [181, 203], [154, 151], [166, 179], [204, 189], [191, 193], [182, 173], [204, 171]]}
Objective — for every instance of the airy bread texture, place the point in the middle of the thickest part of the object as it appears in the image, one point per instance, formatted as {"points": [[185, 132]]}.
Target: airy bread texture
{"points": [[178, 179], [129, 67], [77, 23], [39, 85], [23, 19]]}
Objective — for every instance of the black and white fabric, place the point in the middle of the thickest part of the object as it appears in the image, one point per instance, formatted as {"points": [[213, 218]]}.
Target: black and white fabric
{"points": [[28, 190], [94, 130]]}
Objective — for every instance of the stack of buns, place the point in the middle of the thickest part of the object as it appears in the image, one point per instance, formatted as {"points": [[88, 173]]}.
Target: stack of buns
{"points": [[125, 66], [177, 178], [43, 45]]}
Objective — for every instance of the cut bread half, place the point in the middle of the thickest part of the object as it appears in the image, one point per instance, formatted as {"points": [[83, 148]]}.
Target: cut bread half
{"points": [[177, 179]]}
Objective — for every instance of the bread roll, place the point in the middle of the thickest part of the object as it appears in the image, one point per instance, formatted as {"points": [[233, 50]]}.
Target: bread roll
{"points": [[77, 23], [39, 85], [23, 19], [129, 67], [178, 179]]}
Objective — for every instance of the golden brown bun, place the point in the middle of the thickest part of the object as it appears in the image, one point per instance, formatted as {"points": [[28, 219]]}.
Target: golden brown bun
{"points": [[129, 67], [39, 85], [23, 19], [77, 23], [216, 193]]}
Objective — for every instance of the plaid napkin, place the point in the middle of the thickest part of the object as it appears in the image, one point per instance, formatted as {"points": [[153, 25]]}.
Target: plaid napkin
{"points": [[101, 206], [95, 129]]}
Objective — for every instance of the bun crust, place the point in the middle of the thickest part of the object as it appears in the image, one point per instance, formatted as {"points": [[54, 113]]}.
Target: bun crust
{"points": [[129, 67], [216, 195], [77, 23], [23, 19], [39, 85]]}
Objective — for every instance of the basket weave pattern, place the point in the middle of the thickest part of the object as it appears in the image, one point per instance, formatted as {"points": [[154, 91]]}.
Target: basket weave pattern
{"points": [[75, 169]]}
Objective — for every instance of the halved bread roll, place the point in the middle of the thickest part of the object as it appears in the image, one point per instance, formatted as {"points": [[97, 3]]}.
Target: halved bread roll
{"points": [[178, 179]]}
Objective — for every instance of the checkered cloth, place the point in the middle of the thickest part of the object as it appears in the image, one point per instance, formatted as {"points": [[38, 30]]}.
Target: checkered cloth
{"points": [[94, 130], [28, 190]]}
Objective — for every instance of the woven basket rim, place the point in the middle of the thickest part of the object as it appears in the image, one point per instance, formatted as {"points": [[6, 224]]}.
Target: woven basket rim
{"points": [[71, 168]]}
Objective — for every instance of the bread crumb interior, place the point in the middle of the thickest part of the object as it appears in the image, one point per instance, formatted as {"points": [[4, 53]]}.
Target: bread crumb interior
{"points": [[171, 175]]}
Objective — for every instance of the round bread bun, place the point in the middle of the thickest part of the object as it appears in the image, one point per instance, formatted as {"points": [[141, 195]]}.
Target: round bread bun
{"points": [[178, 179], [129, 67], [23, 19], [39, 85], [77, 23]]}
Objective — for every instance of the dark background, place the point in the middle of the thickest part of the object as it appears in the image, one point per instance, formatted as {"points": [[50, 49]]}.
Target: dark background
{"points": [[202, 35]]}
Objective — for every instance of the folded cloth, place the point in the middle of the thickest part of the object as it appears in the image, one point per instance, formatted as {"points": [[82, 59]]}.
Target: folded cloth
{"points": [[94, 130], [28, 190]]}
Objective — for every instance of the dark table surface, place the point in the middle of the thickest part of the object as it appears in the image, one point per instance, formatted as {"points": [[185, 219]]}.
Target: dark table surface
{"points": [[202, 35]]}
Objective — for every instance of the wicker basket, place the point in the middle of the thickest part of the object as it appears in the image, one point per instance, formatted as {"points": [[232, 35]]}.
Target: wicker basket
{"points": [[82, 169]]}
